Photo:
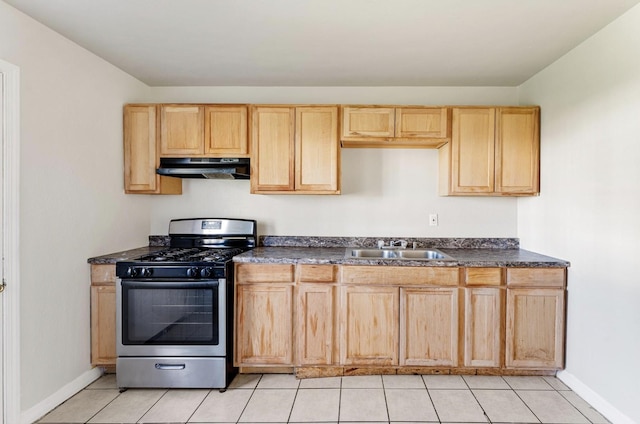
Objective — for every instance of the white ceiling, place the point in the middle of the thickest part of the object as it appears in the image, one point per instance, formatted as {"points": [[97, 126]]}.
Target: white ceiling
{"points": [[327, 42]]}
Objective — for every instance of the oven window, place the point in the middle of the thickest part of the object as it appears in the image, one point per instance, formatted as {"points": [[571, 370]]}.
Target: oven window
{"points": [[164, 314]]}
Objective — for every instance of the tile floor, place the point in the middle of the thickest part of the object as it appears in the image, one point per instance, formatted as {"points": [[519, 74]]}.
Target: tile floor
{"points": [[280, 398]]}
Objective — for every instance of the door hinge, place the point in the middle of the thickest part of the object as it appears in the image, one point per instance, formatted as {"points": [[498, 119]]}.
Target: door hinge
{"points": [[3, 285]]}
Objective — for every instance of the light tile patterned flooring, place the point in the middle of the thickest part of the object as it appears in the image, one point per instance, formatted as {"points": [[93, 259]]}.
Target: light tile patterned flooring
{"points": [[281, 398]]}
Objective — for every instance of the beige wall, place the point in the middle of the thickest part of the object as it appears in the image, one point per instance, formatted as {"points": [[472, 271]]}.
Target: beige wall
{"points": [[385, 192], [589, 209], [72, 204]]}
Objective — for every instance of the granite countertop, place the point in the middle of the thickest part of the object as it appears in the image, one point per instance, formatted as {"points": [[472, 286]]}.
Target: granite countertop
{"points": [[479, 257], [126, 255], [468, 252]]}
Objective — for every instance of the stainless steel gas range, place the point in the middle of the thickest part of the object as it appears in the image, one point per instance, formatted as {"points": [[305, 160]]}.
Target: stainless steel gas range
{"points": [[175, 307]]}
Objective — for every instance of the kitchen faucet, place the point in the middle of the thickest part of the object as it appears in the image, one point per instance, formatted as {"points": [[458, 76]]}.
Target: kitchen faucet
{"points": [[402, 243]]}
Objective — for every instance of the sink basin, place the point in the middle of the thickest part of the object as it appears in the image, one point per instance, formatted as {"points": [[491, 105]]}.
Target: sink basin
{"points": [[407, 254]]}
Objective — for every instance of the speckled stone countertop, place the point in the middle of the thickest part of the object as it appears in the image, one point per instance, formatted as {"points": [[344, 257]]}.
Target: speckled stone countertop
{"points": [[468, 252], [126, 255], [372, 242], [460, 257]]}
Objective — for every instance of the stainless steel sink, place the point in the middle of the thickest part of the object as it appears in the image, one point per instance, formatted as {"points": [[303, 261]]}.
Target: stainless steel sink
{"points": [[407, 254]]}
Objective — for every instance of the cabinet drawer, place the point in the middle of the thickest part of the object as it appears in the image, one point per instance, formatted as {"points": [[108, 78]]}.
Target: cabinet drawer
{"points": [[400, 275], [536, 277], [421, 122], [483, 276], [103, 274], [318, 273], [264, 273], [368, 122]]}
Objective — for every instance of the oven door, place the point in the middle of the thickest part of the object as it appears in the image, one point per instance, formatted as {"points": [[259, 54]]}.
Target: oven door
{"points": [[171, 318]]}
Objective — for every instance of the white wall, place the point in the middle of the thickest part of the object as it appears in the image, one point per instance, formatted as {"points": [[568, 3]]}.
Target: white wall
{"points": [[385, 192], [71, 194], [589, 210]]}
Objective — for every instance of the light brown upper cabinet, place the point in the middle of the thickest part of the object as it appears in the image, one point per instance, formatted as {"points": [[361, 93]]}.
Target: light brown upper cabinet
{"points": [[295, 150], [141, 153], [181, 130], [226, 131], [377, 126], [493, 152], [203, 131]]}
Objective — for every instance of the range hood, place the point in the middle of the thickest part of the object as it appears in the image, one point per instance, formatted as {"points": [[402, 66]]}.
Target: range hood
{"points": [[214, 168]]}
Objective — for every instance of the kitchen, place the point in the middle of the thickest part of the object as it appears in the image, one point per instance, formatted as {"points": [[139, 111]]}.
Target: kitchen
{"points": [[586, 211]]}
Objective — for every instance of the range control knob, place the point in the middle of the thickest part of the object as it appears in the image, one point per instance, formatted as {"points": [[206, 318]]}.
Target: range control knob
{"points": [[132, 272], [206, 272], [145, 272], [193, 272]]}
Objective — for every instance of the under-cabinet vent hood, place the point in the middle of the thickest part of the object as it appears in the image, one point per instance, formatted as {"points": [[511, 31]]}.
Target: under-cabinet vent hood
{"points": [[215, 168]]}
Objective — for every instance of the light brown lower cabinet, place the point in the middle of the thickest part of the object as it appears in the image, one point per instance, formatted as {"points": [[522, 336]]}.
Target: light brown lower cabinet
{"points": [[483, 328], [264, 330], [366, 316], [307, 315], [535, 328], [103, 316], [429, 326], [264, 315], [315, 324], [369, 325]]}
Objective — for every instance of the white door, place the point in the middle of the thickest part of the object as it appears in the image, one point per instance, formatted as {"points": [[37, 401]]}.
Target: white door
{"points": [[9, 243], [2, 341]]}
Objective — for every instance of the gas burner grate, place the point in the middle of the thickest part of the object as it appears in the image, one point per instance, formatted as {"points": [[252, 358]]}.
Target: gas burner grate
{"points": [[204, 254]]}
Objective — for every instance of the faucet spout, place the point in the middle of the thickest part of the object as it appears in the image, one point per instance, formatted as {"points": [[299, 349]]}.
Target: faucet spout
{"points": [[402, 243], [393, 243]]}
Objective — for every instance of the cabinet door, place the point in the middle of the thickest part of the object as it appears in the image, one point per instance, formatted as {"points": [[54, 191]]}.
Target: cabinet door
{"points": [[140, 154], [535, 328], [369, 325], [103, 325], [264, 330], [317, 156], [272, 149], [358, 122], [517, 150], [315, 308], [181, 130], [421, 122], [225, 131], [483, 327], [472, 150], [429, 326]]}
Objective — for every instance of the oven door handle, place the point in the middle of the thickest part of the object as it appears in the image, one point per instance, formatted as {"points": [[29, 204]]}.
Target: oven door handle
{"points": [[173, 284], [170, 367]]}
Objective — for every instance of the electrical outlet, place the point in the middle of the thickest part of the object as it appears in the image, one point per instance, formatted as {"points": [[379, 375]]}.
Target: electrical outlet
{"points": [[433, 219]]}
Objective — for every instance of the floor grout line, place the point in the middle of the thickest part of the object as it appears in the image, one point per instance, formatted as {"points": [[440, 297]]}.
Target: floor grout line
{"points": [[253, 391], [341, 387]]}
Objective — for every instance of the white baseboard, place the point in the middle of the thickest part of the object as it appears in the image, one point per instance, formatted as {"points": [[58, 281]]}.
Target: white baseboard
{"points": [[47, 405], [609, 411]]}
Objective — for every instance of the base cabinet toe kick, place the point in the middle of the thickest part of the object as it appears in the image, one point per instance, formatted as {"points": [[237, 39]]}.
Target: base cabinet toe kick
{"points": [[327, 320]]}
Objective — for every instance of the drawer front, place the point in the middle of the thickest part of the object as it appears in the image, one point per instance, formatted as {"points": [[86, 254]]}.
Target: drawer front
{"points": [[317, 273], [103, 274], [536, 277], [483, 276], [400, 275], [264, 273]]}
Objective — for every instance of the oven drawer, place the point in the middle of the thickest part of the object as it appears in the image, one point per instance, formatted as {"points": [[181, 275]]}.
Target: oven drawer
{"points": [[184, 372]]}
